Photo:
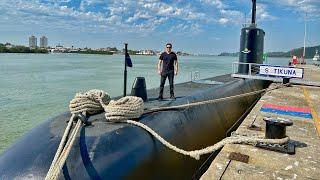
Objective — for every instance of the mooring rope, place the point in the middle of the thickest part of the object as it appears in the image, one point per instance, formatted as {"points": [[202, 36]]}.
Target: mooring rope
{"points": [[234, 139], [61, 145], [131, 107], [93, 101], [63, 151]]}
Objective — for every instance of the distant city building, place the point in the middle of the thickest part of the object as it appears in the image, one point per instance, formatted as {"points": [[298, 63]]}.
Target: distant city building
{"points": [[43, 42], [32, 42], [146, 52], [108, 49], [8, 45], [59, 48]]}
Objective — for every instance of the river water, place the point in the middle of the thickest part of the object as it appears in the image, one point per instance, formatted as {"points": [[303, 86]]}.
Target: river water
{"points": [[35, 87]]}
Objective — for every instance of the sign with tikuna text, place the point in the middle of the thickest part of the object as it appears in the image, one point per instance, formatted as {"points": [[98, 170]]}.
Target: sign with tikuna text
{"points": [[281, 71]]}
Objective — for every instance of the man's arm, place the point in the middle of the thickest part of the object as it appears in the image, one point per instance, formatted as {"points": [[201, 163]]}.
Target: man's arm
{"points": [[176, 67], [159, 66]]}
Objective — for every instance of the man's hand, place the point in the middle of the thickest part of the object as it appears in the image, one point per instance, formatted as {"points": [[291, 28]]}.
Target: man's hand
{"points": [[175, 72], [159, 66]]}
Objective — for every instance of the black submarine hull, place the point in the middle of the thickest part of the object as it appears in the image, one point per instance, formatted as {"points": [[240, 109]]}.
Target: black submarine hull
{"points": [[107, 150]]}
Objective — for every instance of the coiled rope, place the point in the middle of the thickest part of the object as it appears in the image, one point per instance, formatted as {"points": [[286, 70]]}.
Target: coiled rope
{"points": [[91, 102], [131, 107]]}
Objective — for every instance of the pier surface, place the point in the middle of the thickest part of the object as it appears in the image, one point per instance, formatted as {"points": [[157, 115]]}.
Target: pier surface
{"points": [[300, 104]]}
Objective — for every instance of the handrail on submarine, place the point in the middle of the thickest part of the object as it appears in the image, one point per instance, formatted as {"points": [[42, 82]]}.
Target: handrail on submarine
{"points": [[254, 73]]}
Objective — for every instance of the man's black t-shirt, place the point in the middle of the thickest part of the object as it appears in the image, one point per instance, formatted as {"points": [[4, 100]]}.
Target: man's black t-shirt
{"points": [[168, 61]]}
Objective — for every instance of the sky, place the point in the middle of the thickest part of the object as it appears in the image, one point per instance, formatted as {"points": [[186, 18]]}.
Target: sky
{"points": [[194, 26]]}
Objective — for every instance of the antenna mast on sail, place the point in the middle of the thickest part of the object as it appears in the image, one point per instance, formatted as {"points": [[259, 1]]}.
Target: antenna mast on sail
{"points": [[253, 18]]}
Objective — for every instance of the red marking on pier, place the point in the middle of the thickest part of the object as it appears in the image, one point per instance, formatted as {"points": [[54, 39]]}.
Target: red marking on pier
{"points": [[288, 108]]}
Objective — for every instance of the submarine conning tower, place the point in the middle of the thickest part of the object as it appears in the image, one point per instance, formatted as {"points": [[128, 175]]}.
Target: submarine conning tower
{"points": [[251, 43]]}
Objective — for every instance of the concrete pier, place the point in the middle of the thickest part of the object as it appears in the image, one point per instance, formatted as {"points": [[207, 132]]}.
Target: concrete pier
{"points": [[300, 104]]}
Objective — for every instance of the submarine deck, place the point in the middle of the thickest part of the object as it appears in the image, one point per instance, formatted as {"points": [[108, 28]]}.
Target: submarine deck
{"points": [[285, 103], [184, 89]]}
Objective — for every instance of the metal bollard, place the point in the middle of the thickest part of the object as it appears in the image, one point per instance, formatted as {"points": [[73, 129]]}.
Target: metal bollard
{"points": [[276, 127], [139, 88]]}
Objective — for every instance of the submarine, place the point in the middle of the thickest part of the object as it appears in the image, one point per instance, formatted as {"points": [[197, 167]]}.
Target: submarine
{"points": [[108, 150]]}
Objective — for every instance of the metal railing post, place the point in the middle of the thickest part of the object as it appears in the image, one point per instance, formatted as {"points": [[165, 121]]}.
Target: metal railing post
{"points": [[233, 68]]}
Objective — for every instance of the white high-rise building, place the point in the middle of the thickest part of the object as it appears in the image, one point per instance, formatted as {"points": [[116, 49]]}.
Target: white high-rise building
{"points": [[43, 42], [32, 42]]}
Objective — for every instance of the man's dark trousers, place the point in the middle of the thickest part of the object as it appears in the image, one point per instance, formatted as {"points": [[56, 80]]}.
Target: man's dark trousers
{"points": [[164, 76]]}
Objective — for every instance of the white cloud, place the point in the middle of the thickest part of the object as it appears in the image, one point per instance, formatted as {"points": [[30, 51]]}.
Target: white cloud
{"points": [[141, 15], [223, 20], [186, 29], [231, 16], [311, 7], [227, 15], [263, 14], [116, 14], [87, 3], [217, 3]]}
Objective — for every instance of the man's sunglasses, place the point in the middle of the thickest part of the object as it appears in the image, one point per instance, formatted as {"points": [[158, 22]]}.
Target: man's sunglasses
{"points": [[169, 47]]}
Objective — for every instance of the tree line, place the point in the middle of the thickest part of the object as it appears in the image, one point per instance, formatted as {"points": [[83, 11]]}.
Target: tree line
{"points": [[20, 49], [310, 51]]}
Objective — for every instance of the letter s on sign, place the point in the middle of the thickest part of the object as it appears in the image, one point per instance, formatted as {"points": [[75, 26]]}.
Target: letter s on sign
{"points": [[266, 70]]}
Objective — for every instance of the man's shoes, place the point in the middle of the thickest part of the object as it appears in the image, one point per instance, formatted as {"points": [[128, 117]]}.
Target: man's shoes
{"points": [[160, 98], [172, 97]]}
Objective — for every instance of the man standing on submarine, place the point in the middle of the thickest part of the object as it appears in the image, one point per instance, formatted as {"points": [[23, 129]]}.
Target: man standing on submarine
{"points": [[167, 68]]}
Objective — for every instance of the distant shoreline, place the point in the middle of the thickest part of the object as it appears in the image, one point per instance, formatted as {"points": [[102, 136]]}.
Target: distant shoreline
{"points": [[309, 53], [108, 54]]}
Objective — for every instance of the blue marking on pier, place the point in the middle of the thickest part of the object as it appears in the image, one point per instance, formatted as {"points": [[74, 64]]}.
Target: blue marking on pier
{"points": [[290, 113]]}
